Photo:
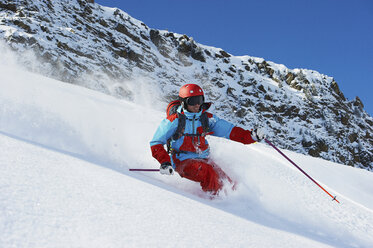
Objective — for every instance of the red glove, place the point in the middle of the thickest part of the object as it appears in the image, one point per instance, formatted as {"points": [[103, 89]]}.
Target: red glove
{"points": [[160, 154], [241, 135]]}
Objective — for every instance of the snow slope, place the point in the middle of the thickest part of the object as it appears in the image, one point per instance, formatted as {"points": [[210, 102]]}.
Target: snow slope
{"points": [[64, 181]]}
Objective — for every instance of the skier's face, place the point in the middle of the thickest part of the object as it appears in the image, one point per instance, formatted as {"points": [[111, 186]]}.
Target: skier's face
{"points": [[194, 103], [193, 108]]}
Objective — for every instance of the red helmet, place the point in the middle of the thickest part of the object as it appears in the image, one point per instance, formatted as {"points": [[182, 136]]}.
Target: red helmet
{"points": [[190, 90]]}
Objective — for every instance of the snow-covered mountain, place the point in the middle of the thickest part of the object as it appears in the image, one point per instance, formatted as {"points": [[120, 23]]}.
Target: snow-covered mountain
{"points": [[105, 49], [64, 181]]}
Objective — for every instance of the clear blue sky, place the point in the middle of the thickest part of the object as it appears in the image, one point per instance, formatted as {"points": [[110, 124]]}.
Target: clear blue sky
{"points": [[333, 37]]}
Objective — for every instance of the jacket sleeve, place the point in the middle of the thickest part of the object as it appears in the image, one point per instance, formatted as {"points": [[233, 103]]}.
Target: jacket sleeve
{"points": [[220, 127], [225, 129], [163, 133]]}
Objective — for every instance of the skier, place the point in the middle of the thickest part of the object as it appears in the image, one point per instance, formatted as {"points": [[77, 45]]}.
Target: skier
{"points": [[184, 132]]}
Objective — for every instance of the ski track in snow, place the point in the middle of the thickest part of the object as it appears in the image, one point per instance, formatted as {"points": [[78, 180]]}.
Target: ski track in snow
{"points": [[64, 181]]}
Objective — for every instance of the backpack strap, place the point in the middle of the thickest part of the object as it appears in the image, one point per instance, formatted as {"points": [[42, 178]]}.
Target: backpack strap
{"points": [[205, 122], [179, 130], [180, 127]]}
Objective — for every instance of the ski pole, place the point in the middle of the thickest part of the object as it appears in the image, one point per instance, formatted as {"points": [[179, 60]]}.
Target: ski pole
{"points": [[269, 143], [143, 169]]}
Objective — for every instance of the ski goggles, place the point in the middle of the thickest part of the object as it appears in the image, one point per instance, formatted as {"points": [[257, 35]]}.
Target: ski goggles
{"points": [[194, 100]]}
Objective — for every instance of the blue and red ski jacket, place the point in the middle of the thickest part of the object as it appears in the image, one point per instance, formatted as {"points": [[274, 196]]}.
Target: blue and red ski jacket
{"points": [[192, 145]]}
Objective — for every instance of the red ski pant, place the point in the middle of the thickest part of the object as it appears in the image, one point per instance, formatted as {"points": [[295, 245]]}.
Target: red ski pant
{"points": [[204, 171]]}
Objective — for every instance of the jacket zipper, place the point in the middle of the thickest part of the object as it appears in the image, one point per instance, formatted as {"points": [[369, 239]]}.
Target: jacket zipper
{"points": [[195, 133], [193, 123]]}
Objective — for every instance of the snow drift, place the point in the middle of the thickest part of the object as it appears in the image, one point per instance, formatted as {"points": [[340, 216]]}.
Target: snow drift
{"points": [[64, 181]]}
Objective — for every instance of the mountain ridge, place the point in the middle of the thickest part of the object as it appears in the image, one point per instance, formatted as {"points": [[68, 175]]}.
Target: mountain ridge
{"points": [[103, 48]]}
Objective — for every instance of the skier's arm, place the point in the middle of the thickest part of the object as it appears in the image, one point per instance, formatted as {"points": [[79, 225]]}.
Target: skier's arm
{"points": [[160, 154], [225, 129], [163, 133], [241, 135]]}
